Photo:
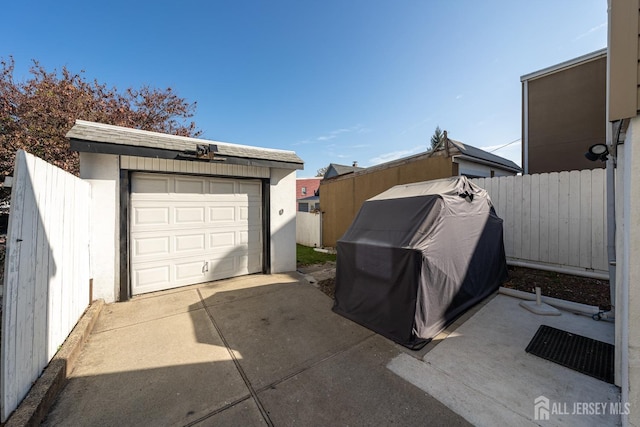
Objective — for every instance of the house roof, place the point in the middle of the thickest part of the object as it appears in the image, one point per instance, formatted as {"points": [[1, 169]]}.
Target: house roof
{"points": [[479, 154], [458, 149], [342, 169], [111, 139], [601, 53]]}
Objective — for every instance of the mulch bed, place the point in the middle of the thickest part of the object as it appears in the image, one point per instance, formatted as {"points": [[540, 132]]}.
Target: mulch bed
{"points": [[562, 286], [556, 285], [328, 286]]}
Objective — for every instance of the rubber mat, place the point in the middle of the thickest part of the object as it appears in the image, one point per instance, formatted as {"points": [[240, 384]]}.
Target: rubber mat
{"points": [[582, 354]]}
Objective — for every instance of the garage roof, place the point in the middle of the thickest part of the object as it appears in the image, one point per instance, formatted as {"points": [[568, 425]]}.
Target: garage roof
{"points": [[102, 138]]}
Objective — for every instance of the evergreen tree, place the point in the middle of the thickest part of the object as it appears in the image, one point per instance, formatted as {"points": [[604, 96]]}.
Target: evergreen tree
{"points": [[436, 138]]}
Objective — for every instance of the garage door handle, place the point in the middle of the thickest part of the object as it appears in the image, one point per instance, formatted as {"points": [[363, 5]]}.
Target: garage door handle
{"points": [[205, 267]]}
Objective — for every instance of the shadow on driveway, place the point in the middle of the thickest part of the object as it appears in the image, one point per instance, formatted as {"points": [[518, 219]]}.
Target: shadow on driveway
{"points": [[255, 350]]}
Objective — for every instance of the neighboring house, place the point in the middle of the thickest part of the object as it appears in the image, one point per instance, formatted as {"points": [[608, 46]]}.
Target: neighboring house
{"points": [[309, 204], [341, 196], [563, 114], [334, 169], [175, 211], [476, 163], [307, 193]]}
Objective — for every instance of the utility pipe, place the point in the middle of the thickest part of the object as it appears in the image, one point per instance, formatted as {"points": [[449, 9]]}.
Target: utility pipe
{"points": [[612, 146], [559, 269], [573, 307]]}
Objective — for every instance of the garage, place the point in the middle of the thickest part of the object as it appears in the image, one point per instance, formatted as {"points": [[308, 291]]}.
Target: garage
{"points": [[187, 230], [169, 211]]}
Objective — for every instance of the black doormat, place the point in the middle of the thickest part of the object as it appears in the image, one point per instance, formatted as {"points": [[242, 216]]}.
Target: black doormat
{"points": [[582, 354]]}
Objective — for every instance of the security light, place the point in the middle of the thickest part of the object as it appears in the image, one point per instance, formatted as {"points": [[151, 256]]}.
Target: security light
{"points": [[597, 152]]}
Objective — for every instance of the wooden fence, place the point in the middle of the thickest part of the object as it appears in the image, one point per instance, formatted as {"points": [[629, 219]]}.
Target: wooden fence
{"points": [[554, 219], [46, 284]]}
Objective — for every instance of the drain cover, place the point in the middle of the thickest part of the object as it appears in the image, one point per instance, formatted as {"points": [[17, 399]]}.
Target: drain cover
{"points": [[582, 354]]}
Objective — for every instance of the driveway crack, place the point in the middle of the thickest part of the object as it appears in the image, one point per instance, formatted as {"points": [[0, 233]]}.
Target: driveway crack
{"points": [[244, 376]]}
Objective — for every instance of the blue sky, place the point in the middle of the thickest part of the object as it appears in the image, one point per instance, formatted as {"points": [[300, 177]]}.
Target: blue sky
{"points": [[333, 80]]}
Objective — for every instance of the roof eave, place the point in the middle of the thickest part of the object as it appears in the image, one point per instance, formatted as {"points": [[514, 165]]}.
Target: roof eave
{"points": [[81, 145], [517, 169], [565, 65]]}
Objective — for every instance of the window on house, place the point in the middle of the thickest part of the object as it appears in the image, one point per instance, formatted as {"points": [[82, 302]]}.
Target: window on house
{"points": [[304, 190]]}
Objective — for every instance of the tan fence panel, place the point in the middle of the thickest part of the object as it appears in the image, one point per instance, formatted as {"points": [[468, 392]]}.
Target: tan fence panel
{"points": [[341, 197]]}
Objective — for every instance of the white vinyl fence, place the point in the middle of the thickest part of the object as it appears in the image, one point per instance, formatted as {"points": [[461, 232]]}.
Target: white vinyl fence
{"points": [[553, 219], [46, 284], [309, 229]]}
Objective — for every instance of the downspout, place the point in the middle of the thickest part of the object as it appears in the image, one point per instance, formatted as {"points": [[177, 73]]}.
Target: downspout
{"points": [[611, 220], [525, 126]]}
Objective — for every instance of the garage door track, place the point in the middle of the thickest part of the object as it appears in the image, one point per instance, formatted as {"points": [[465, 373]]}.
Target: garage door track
{"points": [[255, 350]]}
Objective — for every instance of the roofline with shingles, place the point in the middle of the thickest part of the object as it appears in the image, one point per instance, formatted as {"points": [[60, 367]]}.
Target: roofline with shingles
{"points": [[110, 139]]}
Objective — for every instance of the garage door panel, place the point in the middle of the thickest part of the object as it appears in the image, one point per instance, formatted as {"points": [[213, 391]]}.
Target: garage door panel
{"points": [[254, 264], [247, 264], [189, 215], [222, 214], [221, 187], [190, 186], [251, 237], [225, 239], [150, 216], [252, 189], [151, 246], [249, 213], [222, 266], [189, 243], [187, 230], [153, 276], [190, 270], [151, 184]]}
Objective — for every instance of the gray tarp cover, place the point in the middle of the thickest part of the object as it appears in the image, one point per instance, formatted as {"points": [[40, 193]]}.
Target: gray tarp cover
{"points": [[417, 256]]}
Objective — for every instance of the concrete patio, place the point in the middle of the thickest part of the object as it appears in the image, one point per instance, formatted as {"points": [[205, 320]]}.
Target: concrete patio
{"points": [[255, 350], [268, 350], [482, 372]]}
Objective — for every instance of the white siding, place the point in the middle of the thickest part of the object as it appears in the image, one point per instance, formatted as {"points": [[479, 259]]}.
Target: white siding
{"points": [[191, 167]]}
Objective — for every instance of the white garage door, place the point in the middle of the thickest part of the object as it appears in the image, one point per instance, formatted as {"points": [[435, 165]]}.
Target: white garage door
{"points": [[187, 230]]}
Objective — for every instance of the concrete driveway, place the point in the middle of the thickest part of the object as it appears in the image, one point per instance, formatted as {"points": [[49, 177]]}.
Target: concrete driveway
{"points": [[254, 350]]}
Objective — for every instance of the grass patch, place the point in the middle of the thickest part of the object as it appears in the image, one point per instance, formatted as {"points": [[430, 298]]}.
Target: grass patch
{"points": [[307, 256]]}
